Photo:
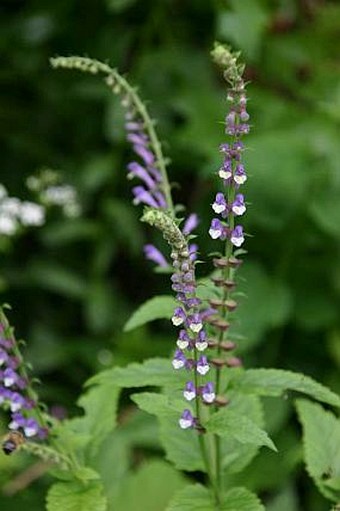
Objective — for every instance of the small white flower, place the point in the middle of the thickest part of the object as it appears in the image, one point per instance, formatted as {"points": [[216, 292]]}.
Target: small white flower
{"points": [[201, 345], [32, 214]]}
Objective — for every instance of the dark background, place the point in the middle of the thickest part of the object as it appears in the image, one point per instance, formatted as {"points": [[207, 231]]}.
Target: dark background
{"points": [[73, 283]]}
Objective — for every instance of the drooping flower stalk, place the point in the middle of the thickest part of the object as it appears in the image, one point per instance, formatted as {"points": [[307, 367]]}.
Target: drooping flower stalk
{"points": [[16, 392], [229, 204], [150, 165]]}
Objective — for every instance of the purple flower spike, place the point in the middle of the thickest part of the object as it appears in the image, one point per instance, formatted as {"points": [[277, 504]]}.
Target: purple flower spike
{"points": [[153, 254], [208, 394], [220, 204], [190, 224], [237, 237], [142, 195], [183, 340], [178, 317], [179, 360], [216, 229], [201, 342], [136, 170], [195, 323], [238, 207], [202, 365], [240, 176], [190, 391], [187, 420]]}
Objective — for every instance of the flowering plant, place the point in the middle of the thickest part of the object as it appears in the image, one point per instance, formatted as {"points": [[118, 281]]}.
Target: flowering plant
{"points": [[208, 406]]}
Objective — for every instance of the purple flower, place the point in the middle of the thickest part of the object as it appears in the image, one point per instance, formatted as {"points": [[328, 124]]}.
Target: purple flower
{"points": [[201, 342], [225, 171], [207, 392], [179, 360], [31, 427], [10, 377], [187, 420], [193, 248], [18, 421], [178, 317], [190, 224], [136, 170], [143, 196], [146, 155], [238, 207], [190, 391], [183, 340], [237, 237], [3, 357], [16, 402], [216, 229], [240, 176], [195, 323], [153, 254], [220, 204], [202, 365]]}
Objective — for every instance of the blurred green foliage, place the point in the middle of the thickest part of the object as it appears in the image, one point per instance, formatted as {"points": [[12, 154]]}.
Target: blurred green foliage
{"points": [[74, 283]]}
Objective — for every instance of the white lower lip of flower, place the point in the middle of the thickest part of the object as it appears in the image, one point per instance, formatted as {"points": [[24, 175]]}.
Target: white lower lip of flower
{"points": [[237, 241], [177, 321], [209, 398], [201, 346], [214, 233], [182, 344], [189, 396], [224, 174], [15, 407], [196, 327], [2, 361], [239, 210], [30, 432], [185, 424], [13, 425], [8, 382], [177, 364], [203, 369], [218, 208], [240, 179]]}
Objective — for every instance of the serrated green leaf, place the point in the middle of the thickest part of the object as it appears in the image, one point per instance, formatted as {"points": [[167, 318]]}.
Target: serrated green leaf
{"points": [[181, 447], [321, 439], [198, 498], [76, 497], [274, 382], [229, 423], [159, 307], [157, 404], [100, 406], [192, 498], [139, 491], [155, 371]]}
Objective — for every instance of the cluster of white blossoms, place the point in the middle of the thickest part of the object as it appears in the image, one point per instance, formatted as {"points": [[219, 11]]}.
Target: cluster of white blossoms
{"points": [[52, 192], [15, 213]]}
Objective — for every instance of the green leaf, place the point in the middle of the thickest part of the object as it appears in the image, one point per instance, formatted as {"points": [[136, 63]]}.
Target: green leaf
{"points": [[321, 439], [159, 307], [192, 498], [157, 404], [100, 405], [275, 382], [198, 498], [181, 447], [133, 495], [227, 423], [76, 497], [241, 499], [156, 371]]}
